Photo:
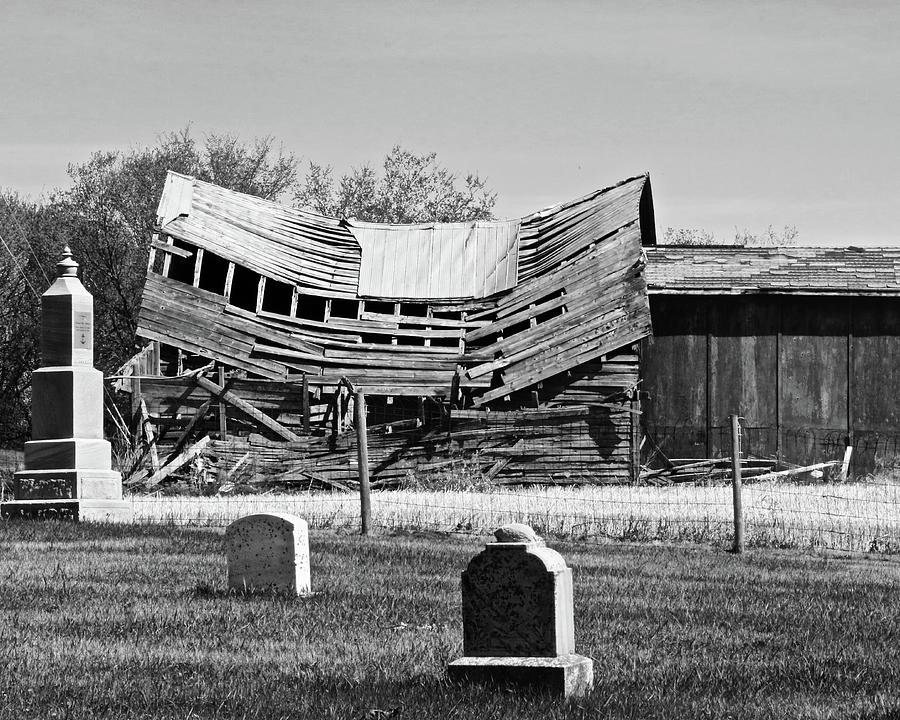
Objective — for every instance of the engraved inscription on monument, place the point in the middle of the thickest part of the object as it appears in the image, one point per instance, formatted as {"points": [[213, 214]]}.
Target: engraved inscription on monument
{"points": [[82, 331]]}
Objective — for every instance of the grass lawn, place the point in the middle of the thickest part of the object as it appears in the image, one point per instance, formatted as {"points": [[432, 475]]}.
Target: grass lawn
{"points": [[135, 621]]}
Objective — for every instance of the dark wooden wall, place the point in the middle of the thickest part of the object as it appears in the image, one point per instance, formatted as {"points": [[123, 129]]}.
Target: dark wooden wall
{"points": [[807, 373]]}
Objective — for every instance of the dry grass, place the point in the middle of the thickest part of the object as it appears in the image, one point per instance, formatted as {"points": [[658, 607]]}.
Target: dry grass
{"points": [[853, 517]]}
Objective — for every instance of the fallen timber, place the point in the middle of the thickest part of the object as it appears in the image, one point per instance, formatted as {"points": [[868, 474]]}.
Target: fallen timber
{"points": [[506, 346], [719, 470]]}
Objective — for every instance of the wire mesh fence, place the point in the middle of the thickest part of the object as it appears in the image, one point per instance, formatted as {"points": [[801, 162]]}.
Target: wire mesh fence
{"points": [[854, 517], [452, 495]]}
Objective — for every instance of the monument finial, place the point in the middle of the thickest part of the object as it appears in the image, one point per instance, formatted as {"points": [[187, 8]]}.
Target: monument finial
{"points": [[67, 267]]}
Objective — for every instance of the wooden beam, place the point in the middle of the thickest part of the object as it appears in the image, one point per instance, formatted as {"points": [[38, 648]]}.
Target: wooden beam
{"points": [[189, 428], [260, 293], [178, 462], [229, 280], [167, 260], [149, 436], [157, 244], [198, 266], [151, 258], [246, 408]]}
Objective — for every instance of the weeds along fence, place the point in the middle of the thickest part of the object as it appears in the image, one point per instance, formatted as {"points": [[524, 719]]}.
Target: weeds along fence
{"points": [[855, 517], [455, 495]]}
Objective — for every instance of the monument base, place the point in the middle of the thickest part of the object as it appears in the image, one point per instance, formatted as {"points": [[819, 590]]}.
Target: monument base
{"points": [[68, 484], [566, 676], [99, 511]]}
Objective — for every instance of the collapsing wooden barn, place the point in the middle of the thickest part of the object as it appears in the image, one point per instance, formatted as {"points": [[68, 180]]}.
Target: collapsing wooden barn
{"points": [[512, 343]]}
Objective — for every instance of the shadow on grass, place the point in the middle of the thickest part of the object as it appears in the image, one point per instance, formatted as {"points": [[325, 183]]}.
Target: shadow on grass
{"points": [[208, 591]]}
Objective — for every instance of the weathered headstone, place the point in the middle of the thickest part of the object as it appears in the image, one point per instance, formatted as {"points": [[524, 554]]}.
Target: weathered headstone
{"points": [[518, 623], [268, 551], [68, 465]]}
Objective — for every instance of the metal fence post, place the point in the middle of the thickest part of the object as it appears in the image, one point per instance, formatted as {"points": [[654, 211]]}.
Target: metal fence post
{"points": [[362, 449], [738, 546]]}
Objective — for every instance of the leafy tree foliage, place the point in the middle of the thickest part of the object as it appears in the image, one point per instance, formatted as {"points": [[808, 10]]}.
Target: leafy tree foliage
{"points": [[411, 188], [29, 234]]}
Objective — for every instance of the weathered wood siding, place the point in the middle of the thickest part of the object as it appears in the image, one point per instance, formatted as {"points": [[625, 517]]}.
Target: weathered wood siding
{"points": [[742, 349], [672, 361], [806, 373]]}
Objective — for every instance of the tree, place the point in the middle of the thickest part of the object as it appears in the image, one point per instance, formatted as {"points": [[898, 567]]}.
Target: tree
{"points": [[412, 188], [768, 238], [29, 234], [742, 238], [111, 211]]}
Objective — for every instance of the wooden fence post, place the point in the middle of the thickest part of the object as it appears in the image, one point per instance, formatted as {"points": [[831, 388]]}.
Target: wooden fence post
{"points": [[223, 413], [736, 484], [304, 401], [362, 449]]}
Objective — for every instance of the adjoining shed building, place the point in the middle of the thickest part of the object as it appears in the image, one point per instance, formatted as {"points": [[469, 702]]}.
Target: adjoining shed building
{"points": [[514, 342], [802, 342]]}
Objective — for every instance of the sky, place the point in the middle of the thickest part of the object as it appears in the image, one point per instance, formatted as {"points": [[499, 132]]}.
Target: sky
{"points": [[745, 114]]}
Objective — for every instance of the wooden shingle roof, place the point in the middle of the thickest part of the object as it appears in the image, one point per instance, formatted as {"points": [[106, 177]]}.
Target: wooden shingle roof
{"points": [[728, 270]]}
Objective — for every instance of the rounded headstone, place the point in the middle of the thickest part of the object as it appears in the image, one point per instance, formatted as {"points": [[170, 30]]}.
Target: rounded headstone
{"points": [[516, 533], [268, 551]]}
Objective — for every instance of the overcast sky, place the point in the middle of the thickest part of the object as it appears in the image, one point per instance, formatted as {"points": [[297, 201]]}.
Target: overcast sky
{"points": [[745, 114]]}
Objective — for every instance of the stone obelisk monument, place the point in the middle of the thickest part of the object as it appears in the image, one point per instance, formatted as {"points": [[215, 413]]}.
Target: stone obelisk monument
{"points": [[68, 465]]}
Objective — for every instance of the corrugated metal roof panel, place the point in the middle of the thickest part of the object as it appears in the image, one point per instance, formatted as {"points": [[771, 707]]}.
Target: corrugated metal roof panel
{"points": [[438, 260]]}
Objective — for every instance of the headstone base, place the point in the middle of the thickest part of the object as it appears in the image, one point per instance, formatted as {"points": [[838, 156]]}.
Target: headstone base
{"points": [[99, 511], [566, 676]]}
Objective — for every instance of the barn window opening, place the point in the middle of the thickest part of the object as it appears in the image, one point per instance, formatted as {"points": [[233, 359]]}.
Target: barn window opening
{"points": [[517, 328], [277, 297], [414, 309], [550, 314], [182, 268], [244, 288], [344, 308], [410, 340], [311, 307], [379, 306], [375, 339], [213, 272], [445, 342], [447, 315]]}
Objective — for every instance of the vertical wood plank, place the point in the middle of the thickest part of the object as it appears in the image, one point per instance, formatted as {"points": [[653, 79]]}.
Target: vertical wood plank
{"points": [[167, 258], [198, 266], [850, 371], [229, 280], [260, 293]]}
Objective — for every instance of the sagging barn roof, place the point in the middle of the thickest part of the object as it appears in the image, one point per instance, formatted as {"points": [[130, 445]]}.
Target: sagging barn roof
{"points": [[495, 307], [726, 270]]}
